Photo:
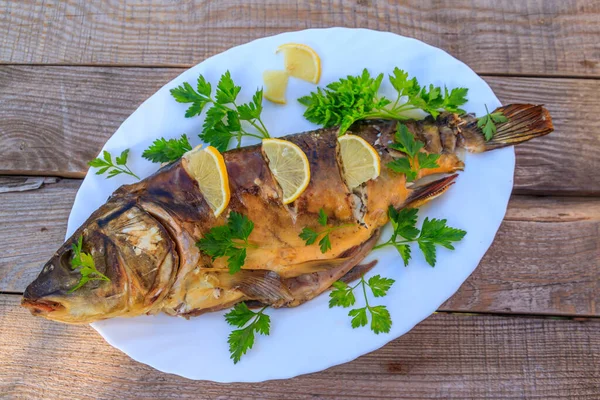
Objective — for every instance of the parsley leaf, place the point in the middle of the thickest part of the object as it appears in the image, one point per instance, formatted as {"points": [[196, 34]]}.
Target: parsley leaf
{"points": [[488, 122], [219, 241], [310, 235], [163, 150], [355, 98], [223, 120], [198, 98], [322, 217], [342, 295], [242, 340], [84, 263], [380, 286], [415, 160], [434, 232], [105, 164]]}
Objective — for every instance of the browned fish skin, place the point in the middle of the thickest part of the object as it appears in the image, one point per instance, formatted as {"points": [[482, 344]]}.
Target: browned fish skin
{"points": [[144, 237]]}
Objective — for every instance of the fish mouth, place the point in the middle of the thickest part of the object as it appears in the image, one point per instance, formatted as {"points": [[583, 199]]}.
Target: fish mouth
{"points": [[40, 306]]}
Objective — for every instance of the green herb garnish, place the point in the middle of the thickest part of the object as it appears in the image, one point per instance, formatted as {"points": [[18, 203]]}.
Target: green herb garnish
{"points": [[342, 295], [415, 160], [162, 150], [242, 340], [106, 164], [84, 264], [355, 98], [229, 241], [488, 122], [433, 232], [226, 119], [310, 236]]}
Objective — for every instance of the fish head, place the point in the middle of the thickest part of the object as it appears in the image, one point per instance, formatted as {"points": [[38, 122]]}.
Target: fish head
{"points": [[134, 259]]}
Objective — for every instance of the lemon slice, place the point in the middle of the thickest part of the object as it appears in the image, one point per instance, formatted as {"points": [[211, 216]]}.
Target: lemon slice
{"points": [[289, 166], [301, 61], [208, 168], [275, 85], [360, 160]]}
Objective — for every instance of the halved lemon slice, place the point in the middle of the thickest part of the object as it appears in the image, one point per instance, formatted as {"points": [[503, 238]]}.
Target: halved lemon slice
{"points": [[301, 61], [360, 160], [289, 166], [275, 85], [208, 168]]}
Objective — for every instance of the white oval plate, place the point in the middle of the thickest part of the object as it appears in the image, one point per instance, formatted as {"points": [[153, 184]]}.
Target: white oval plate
{"points": [[311, 337]]}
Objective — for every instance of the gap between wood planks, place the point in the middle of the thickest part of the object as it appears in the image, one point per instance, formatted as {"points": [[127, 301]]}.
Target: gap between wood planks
{"points": [[185, 67]]}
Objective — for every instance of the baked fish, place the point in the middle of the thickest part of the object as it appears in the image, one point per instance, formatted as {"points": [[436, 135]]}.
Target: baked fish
{"points": [[143, 239]]}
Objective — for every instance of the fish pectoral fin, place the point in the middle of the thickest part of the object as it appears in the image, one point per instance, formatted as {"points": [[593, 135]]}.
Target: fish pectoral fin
{"points": [[263, 286], [423, 193]]}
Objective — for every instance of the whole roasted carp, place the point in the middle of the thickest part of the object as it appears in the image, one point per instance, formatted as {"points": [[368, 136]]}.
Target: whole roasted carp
{"points": [[143, 238]]}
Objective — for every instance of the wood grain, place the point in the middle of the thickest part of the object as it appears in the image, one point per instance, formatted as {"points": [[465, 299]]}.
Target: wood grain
{"points": [[537, 37], [545, 259], [55, 119], [446, 356]]}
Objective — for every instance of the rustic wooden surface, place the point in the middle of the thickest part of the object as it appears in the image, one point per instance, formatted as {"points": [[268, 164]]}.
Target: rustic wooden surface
{"points": [[524, 325], [449, 356], [73, 120]]}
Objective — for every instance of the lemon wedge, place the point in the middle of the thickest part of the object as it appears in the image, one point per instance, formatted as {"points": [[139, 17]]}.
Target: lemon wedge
{"points": [[359, 159], [301, 61], [275, 85], [208, 168], [289, 166]]}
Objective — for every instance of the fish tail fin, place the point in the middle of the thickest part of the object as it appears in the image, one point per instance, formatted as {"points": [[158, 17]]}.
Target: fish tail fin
{"points": [[524, 122], [422, 194]]}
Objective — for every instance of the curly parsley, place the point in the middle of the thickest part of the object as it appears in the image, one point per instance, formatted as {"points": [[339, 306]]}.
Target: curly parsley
{"points": [[229, 241], [105, 164], [310, 236], [488, 122], [356, 97], [342, 295], [225, 118], [415, 160], [434, 232], [84, 264], [163, 150], [242, 340]]}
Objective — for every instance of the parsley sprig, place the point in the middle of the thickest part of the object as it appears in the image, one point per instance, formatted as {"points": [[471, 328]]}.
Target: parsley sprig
{"points": [[416, 160], [434, 232], [342, 295], [225, 119], [242, 340], [488, 122], [230, 240], [356, 97], [163, 150], [105, 164], [310, 235], [84, 264]]}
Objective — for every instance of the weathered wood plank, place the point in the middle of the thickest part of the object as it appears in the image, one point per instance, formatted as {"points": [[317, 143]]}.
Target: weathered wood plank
{"points": [[55, 119], [537, 37], [446, 356], [546, 257]]}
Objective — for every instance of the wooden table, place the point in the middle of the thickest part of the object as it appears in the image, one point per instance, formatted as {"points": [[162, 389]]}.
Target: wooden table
{"points": [[524, 325]]}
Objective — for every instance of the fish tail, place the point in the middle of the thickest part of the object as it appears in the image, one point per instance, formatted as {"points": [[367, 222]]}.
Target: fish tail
{"points": [[524, 122], [422, 194]]}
